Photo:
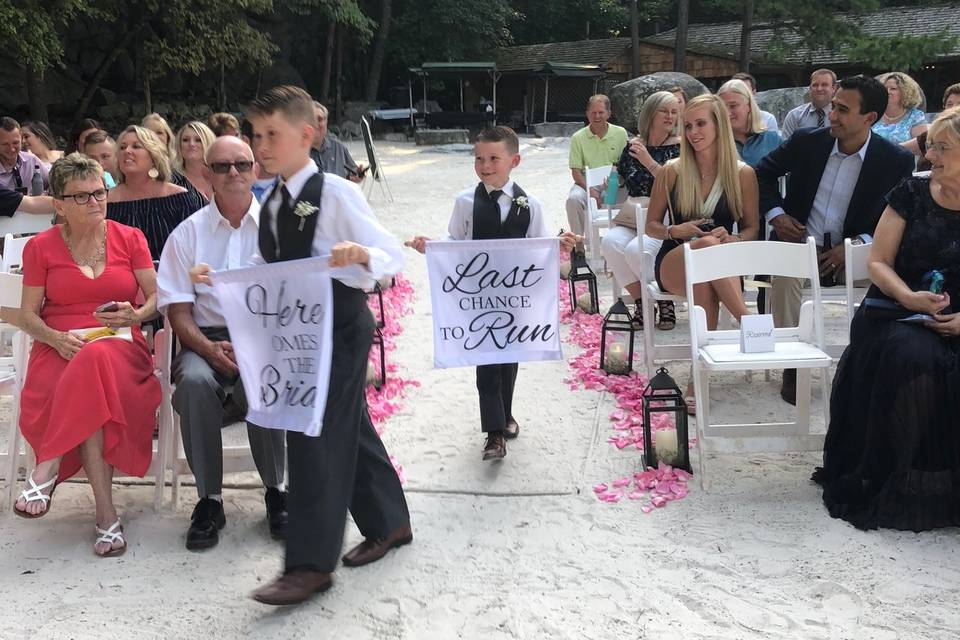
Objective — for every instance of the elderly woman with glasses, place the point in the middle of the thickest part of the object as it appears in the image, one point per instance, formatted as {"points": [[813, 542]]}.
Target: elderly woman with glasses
{"points": [[90, 395]]}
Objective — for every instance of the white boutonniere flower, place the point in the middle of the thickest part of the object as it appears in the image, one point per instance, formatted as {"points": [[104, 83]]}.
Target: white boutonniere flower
{"points": [[522, 202], [303, 211]]}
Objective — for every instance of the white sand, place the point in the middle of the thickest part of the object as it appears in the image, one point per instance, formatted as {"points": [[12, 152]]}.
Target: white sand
{"points": [[521, 549]]}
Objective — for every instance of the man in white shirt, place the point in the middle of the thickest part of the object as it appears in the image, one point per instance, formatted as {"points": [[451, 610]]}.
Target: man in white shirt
{"points": [[816, 113], [769, 120], [224, 235]]}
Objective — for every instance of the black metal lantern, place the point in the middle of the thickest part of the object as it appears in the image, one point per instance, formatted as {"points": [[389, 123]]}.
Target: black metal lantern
{"points": [[616, 340], [662, 396], [379, 315], [580, 271], [377, 377]]}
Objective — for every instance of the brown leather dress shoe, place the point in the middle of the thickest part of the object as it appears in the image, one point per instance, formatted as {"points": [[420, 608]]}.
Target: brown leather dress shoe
{"points": [[293, 587], [371, 550], [495, 447], [788, 391], [512, 430]]}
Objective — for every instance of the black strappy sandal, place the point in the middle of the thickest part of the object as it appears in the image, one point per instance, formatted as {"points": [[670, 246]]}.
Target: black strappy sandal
{"points": [[637, 318], [667, 315]]}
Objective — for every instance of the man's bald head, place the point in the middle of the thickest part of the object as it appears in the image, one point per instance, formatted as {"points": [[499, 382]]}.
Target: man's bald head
{"points": [[226, 149]]}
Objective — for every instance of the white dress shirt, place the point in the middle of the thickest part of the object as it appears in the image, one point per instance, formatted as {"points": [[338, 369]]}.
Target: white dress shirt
{"points": [[206, 236], [839, 179], [461, 222], [344, 216], [802, 117]]}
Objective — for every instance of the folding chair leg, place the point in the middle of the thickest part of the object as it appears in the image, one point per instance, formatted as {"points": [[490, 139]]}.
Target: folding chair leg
{"points": [[701, 392], [175, 463], [803, 401], [13, 460], [648, 330], [827, 386]]}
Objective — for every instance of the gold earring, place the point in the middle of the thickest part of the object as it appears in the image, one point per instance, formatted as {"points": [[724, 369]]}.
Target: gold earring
{"points": [[153, 173]]}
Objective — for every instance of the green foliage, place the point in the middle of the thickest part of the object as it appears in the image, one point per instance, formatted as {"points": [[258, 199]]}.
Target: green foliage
{"points": [[33, 30], [537, 21], [198, 35], [346, 13]]}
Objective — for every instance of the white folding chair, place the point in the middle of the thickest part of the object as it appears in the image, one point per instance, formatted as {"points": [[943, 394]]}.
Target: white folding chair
{"points": [[13, 252], [651, 293], [235, 458], [800, 347], [596, 219], [11, 382], [855, 270]]}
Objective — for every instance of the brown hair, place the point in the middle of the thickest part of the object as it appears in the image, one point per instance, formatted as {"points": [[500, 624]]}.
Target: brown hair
{"points": [[97, 137], [506, 135], [221, 123], [952, 90], [746, 77], [824, 72], [293, 103], [599, 98], [9, 124]]}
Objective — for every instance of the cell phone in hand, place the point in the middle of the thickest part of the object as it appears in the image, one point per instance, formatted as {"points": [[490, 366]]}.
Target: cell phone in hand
{"points": [[107, 307]]}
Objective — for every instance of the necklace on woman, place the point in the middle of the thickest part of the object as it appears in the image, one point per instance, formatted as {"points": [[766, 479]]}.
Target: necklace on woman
{"points": [[892, 119], [89, 261]]}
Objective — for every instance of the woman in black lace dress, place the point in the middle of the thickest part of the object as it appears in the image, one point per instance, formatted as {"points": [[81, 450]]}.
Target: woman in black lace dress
{"points": [[892, 453]]}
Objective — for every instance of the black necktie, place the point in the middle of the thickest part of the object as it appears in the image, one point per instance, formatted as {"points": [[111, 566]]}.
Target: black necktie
{"points": [[821, 117], [286, 221]]}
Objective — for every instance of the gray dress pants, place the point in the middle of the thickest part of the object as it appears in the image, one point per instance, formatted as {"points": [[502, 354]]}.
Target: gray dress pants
{"points": [[198, 399]]}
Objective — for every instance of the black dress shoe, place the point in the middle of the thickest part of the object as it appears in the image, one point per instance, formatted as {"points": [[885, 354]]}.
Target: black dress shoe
{"points": [[512, 430], [276, 502], [788, 390], [205, 524], [495, 447]]}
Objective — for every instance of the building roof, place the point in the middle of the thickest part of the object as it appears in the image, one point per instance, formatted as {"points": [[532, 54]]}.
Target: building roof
{"points": [[724, 37], [581, 52]]}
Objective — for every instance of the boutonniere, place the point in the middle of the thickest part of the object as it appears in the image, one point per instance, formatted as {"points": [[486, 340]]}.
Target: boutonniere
{"points": [[303, 211], [522, 202]]}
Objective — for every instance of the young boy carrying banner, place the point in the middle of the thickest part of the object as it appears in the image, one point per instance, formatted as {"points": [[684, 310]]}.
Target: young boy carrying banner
{"points": [[496, 208], [314, 214]]}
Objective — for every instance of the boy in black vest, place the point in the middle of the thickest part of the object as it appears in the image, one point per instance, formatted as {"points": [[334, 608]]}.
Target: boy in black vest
{"points": [[496, 208], [346, 467]]}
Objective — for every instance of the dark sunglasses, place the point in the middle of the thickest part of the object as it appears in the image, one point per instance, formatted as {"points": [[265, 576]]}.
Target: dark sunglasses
{"points": [[242, 166]]}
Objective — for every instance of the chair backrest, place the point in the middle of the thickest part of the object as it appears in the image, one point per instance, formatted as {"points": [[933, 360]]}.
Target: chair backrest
{"points": [[856, 268], [13, 252], [11, 290], [786, 259], [595, 177]]}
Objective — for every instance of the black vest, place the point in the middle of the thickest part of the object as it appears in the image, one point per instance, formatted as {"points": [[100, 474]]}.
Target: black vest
{"points": [[294, 244], [486, 216]]}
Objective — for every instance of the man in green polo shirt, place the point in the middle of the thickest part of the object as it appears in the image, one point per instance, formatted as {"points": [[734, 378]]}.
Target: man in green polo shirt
{"points": [[596, 145]]}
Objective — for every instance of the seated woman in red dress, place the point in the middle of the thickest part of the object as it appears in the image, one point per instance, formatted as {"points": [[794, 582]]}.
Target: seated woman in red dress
{"points": [[86, 403]]}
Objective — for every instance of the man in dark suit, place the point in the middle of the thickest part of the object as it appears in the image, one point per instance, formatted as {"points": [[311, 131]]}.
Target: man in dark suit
{"points": [[839, 176]]}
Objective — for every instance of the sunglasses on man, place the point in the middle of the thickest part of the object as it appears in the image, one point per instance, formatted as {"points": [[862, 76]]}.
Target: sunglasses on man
{"points": [[243, 166]]}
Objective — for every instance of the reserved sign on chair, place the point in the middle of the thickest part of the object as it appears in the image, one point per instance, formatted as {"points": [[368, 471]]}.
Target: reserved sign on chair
{"points": [[756, 333]]}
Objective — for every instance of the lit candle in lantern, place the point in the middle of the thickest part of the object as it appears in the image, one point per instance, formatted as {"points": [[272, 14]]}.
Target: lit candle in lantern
{"points": [[665, 446], [615, 360]]}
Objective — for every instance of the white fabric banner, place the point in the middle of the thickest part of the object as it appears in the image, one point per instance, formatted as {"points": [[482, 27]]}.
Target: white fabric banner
{"points": [[494, 301], [280, 318]]}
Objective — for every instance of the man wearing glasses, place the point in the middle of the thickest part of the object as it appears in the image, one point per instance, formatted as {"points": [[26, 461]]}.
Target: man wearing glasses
{"points": [[224, 235]]}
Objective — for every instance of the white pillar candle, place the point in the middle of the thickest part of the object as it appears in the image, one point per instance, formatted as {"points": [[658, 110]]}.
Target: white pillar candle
{"points": [[666, 447], [615, 359]]}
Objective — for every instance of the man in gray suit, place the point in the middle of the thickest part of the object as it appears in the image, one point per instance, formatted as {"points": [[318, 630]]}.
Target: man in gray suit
{"points": [[224, 235]]}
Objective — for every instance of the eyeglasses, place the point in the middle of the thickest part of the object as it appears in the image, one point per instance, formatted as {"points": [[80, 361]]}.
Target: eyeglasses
{"points": [[938, 147], [83, 198], [242, 166]]}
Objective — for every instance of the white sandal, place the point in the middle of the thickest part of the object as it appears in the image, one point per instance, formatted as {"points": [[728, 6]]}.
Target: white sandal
{"points": [[35, 494], [110, 536]]}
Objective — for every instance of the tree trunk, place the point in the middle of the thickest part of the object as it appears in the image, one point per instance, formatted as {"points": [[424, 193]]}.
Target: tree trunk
{"points": [[745, 31], [223, 89], [94, 84], [36, 95], [680, 47], [147, 95], [635, 38], [328, 62], [379, 51], [339, 79]]}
